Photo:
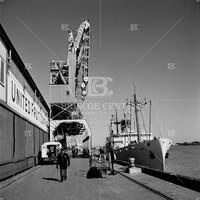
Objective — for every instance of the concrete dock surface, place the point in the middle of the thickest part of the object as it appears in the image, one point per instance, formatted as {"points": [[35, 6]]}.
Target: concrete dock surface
{"points": [[169, 189], [43, 182]]}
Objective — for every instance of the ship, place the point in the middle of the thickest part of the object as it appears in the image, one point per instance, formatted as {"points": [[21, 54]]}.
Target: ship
{"points": [[140, 144]]}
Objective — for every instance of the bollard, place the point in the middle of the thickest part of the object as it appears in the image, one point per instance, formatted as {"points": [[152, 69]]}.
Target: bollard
{"points": [[132, 161], [132, 168]]}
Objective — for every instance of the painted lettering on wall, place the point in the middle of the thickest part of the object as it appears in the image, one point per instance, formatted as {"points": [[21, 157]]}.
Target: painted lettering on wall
{"points": [[22, 102]]}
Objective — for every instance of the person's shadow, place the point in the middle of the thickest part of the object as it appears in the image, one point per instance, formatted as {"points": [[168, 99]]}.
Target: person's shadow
{"points": [[51, 179]]}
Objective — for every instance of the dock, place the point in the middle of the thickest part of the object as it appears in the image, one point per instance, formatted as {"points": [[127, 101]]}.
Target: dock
{"points": [[42, 182]]}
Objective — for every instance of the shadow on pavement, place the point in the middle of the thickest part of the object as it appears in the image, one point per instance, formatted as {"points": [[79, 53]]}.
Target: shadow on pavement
{"points": [[52, 179]]}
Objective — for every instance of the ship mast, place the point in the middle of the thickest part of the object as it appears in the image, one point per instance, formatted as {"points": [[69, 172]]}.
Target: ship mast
{"points": [[130, 121], [137, 105], [116, 122], [136, 116], [125, 126], [111, 124], [149, 119]]}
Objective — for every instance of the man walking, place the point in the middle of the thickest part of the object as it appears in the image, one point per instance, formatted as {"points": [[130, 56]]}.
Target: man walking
{"points": [[63, 162], [102, 155]]}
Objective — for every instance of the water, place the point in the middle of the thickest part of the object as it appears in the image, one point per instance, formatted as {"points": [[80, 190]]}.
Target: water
{"points": [[184, 160]]}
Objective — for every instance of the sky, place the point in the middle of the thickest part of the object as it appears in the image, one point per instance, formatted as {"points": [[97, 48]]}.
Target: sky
{"points": [[152, 44]]}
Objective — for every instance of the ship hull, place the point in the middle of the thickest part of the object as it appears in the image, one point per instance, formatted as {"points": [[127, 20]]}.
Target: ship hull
{"points": [[150, 154]]}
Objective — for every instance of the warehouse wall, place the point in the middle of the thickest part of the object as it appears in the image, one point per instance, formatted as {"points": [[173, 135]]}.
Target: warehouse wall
{"points": [[20, 143]]}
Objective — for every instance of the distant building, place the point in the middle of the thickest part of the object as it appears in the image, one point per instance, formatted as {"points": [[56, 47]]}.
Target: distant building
{"points": [[24, 114]]}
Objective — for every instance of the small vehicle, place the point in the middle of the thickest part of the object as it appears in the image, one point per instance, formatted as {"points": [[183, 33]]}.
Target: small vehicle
{"points": [[49, 151]]}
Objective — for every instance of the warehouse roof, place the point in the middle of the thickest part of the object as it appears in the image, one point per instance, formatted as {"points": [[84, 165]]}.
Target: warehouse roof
{"points": [[19, 63]]}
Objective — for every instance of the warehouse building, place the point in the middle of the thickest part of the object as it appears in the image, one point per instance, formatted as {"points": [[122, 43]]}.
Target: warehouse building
{"points": [[24, 114]]}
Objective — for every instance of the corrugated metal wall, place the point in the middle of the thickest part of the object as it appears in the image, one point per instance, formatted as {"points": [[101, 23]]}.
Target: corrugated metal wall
{"points": [[6, 136], [20, 143], [29, 140], [36, 143]]}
